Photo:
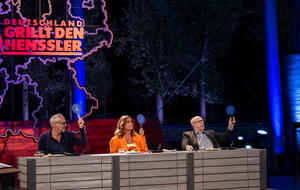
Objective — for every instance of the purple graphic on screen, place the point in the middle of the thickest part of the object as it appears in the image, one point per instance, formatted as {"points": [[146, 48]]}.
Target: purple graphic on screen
{"points": [[6, 9]]}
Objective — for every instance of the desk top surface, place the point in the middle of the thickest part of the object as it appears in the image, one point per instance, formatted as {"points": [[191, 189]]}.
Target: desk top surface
{"points": [[209, 152]]}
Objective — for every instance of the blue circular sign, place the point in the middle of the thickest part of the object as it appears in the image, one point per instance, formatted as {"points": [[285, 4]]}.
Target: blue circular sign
{"points": [[140, 119], [230, 110], [76, 108]]}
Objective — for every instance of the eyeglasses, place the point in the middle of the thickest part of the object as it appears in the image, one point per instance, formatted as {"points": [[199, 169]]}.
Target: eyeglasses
{"points": [[63, 123], [198, 121]]}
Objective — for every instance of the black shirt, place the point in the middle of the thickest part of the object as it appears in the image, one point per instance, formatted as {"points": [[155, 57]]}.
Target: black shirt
{"points": [[56, 147], [68, 140]]}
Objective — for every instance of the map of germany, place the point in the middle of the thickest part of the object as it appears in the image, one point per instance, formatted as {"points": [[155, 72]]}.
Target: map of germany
{"points": [[57, 33]]}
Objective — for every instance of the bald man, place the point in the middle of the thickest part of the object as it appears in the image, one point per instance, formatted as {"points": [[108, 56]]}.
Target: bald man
{"points": [[192, 140]]}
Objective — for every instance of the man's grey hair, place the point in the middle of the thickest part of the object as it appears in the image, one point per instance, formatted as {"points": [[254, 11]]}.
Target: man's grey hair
{"points": [[55, 118]]}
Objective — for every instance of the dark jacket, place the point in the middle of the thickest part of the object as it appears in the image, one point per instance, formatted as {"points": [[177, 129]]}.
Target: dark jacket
{"points": [[190, 138], [70, 139]]}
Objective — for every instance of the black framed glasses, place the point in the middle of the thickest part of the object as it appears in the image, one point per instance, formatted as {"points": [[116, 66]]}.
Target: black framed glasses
{"points": [[198, 121], [63, 123]]}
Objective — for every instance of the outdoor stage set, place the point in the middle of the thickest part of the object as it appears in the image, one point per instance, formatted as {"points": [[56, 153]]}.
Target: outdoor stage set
{"points": [[99, 132], [233, 169], [26, 40]]}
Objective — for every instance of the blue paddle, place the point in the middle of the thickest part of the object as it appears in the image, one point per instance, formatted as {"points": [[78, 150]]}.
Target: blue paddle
{"points": [[140, 119], [76, 109]]}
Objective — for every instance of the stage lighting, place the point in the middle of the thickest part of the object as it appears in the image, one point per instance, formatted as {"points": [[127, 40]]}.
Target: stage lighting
{"points": [[240, 138], [262, 132], [248, 146]]}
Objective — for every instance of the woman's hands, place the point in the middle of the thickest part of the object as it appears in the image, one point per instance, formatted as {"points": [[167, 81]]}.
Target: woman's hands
{"points": [[141, 131]]}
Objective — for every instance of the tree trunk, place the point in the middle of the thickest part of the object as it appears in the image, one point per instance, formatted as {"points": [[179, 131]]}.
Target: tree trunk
{"points": [[160, 109], [25, 101], [70, 96], [202, 100]]}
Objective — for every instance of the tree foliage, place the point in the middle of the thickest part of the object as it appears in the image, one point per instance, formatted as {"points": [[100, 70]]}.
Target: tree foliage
{"points": [[164, 40]]}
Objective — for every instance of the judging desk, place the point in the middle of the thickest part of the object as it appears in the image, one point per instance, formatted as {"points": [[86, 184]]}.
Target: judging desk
{"points": [[221, 169]]}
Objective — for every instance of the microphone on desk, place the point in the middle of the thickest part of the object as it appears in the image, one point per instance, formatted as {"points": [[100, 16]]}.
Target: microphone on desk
{"points": [[159, 146], [231, 143]]}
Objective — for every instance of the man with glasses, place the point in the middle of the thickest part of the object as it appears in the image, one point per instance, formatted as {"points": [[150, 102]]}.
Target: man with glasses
{"points": [[59, 141], [200, 138]]}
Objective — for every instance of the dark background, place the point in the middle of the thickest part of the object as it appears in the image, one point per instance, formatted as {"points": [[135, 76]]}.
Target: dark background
{"points": [[242, 70]]}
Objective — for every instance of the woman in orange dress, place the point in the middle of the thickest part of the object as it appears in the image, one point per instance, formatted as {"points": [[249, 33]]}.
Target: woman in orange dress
{"points": [[126, 139]]}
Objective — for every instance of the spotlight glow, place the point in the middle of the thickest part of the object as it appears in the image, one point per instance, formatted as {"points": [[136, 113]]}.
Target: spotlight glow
{"points": [[273, 70], [262, 132]]}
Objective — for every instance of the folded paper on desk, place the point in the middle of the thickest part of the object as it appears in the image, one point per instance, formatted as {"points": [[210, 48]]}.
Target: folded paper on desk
{"points": [[133, 152], [163, 150], [212, 149], [5, 166], [167, 150]]}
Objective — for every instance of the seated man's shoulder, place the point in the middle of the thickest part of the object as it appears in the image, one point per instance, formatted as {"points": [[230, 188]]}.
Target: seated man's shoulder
{"points": [[209, 131], [44, 137], [45, 134], [188, 132]]}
